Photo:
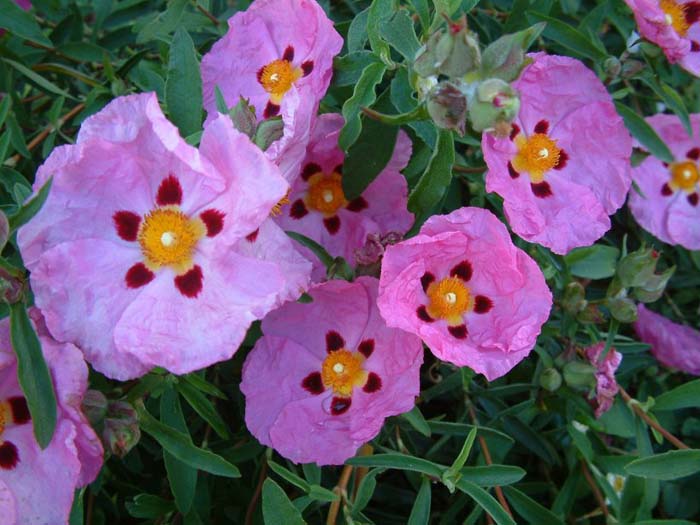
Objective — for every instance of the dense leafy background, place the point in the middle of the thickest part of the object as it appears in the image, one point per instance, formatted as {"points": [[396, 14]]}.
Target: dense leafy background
{"points": [[68, 58]]}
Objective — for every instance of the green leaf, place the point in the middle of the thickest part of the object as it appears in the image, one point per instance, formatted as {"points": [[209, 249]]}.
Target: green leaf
{"points": [[21, 23], [289, 476], [276, 507], [534, 441], [569, 37], [420, 513], [593, 262], [17, 136], [664, 522], [319, 493], [436, 178], [416, 420], [684, 396], [492, 475], [529, 509], [400, 33], [319, 251], [183, 88], [348, 68], [357, 33], [204, 408], [363, 95], [672, 99], [37, 79], [182, 477], [400, 462], [365, 491], [30, 208], [180, 446], [148, 506], [485, 500], [377, 18], [670, 465], [202, 384], [5, 105], [644, 133], [76, 511], [33, 374]]}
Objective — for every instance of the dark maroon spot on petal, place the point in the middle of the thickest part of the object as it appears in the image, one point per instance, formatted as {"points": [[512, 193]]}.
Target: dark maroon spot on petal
{"points": [[190, 282], [271, 110], [138, 275], [259, 74], [310, 169], [357, 204], [511, 171], [332, 224], [288, 54], [693, 199], [426, 280], [307, 67], [694, 46], [213, 220], [541, 189], [563, 159], [334, 341], [514, 130], [666, 190], [693, 154], [542, 126], [313, 383], [423, 314], [463, 270], [691, 10], [338, 169], [459, 332], [252, 237], [127, 224], [366, 347], [373, 384], [340, 405], [9, 457], [482, 304], [19, 409], [298, 209], [169, 191]]}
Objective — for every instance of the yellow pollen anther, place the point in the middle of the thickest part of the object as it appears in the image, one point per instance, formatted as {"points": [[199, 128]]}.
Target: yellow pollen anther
{"points": [[325, 193], [449, 299], [675, 16], [168, 238], [684, 176], [536, 155], [277, 78], [342, 371]]}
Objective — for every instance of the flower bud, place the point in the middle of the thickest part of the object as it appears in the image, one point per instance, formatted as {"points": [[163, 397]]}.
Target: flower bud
{"points": [[505, 58], [631, 68], [12, 286], [574, 300], [622, 308], [550, 379], [654, 288], [494, 100], [579, 375], [268, 131], [94, 406], [243, 117], [591, 314], [636, 268], [4, 230], [452, 53], [121, 428], [612, 67], [447, 106]]}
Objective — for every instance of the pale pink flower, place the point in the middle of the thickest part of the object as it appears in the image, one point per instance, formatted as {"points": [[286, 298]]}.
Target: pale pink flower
{"points": [[606, 385]]}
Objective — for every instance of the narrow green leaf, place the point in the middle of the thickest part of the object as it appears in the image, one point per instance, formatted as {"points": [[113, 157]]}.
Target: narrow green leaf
{"points": [[37, 79], [348, 68], [357, 33], [644, 133], [529, 509], [183, 88], [148, 506], [664, 522], [204, 408], [76, 511], [319, 251], [319, 493], [289, 476], [5, 105], [363, 95], [365, 491], [21, 23], [670, 465], [423, 10], [569, 37], [672, 99], [436, 178], [492, 475], [400, 33], [466, 449], [398, 461], [30, 208], [377, 18], [593, 262], [180, 446], [33, 374], [530, 439], [416, 420], [276, 507], [202, 384], [17, 136], [684, 396], [485, 500], [420, 513]]}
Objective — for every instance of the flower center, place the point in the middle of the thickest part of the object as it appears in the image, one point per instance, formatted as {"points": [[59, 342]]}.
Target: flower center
{"points": [[342, 371], [536, 155], [325, 193], [278, 76], [684, 175], [168, 238], [675, 16], [448, 300]]}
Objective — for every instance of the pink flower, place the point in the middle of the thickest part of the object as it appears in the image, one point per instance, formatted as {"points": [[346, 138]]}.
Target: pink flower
{"points": [[669, 208], [606, 385], [326, 374], [37, 486], [467, 291], [674, 345], [566, 165], [135, 257], [319, 210], [278, 54], [672, 25]]}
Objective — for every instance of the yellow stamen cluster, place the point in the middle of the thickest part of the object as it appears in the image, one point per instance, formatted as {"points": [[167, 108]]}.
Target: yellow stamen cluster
{"points": [[342, 371], [684, 176], [536, 155], [449, 299], [325, 193], [168, 238], [277, 78], [675, 16]]}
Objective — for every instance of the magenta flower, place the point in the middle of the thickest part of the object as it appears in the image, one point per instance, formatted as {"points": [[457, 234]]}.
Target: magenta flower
{"points": [[674, 345], [566, 165], [467, 291], [37, 486], [319, 210], [669, 205], [673, 26], [606, 385], [140, 235], [326, 374], [278, 54]]}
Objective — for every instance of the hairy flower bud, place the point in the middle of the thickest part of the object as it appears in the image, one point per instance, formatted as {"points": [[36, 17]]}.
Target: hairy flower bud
{"points": [[121, 428], [94, 406], [447, 106], [453, 52], [493, 101], [574, 300], [550, 379], [579, 375], [636, 268]]}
